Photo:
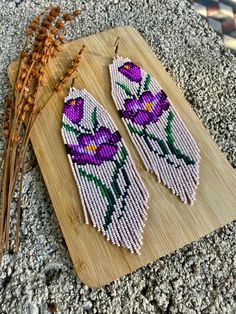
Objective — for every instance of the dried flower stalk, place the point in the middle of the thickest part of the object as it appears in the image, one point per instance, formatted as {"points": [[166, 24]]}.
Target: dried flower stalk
{"points": [[72, 69], [46, 33]]}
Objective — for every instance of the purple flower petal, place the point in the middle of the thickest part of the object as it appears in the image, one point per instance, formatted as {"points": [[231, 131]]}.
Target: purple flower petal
{"points": [[147, 109], [85, 139], [115, 138], [126, 114], [84, 159], [131, 71], [133, 104], [106, 151], [142, 117], [74, 109], [146, 97], [102, 136], [76, 149], [95, 148]]}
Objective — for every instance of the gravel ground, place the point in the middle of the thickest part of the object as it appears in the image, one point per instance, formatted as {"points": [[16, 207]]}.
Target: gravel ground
{"points": [[200, 278]]}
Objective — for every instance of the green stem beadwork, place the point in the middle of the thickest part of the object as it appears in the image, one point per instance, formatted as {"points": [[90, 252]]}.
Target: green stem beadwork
{"points": [[125, 89], [138, 94], [171, 142], [94, 119], [105, 191], [111, 194], [115, 187], [150, 136], [70, 128]]}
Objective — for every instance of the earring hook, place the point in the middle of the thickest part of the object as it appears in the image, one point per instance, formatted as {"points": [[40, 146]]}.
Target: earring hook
{"points": [[116, 45]]}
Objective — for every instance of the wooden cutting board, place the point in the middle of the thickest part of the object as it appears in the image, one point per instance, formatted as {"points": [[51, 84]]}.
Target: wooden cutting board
{"points": [[170, 224]]}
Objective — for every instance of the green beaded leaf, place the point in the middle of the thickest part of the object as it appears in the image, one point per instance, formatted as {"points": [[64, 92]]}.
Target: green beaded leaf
{"points": [[150, 136], [147, 82], [171, 142], [111, 194], [125, 88], [94, 118]]}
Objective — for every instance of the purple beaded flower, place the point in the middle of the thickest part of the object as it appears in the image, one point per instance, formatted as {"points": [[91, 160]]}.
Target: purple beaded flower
{"points": [[74, 109], [147, 109], [95, 148], [131, 71]]}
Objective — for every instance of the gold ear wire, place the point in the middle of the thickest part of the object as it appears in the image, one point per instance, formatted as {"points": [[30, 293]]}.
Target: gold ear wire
{"points": [[116, 45]]}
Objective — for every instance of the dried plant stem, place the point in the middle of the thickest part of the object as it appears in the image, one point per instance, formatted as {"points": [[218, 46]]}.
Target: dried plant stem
{"points": [[21, 156], [11, 172], [3, 156], [46, 33], [5, 188], [2, 246], [19, 210]]}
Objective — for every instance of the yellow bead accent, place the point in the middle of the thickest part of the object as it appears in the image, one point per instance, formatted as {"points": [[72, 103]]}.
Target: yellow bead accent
{"points": [[148, 106], [91, 147]]}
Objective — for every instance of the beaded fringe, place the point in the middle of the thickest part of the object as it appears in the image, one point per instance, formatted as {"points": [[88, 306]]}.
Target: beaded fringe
{"points": [[112, 193], [165, 145]]}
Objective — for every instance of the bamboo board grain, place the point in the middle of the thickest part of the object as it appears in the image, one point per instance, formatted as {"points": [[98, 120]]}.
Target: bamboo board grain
{"points": [[170, 224]]}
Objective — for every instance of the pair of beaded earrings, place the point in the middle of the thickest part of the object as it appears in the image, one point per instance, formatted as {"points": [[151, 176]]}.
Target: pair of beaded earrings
{"points": [[112, 192]]}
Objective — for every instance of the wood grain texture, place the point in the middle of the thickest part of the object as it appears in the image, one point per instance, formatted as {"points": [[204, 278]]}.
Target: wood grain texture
{"points": [[170, 224]]}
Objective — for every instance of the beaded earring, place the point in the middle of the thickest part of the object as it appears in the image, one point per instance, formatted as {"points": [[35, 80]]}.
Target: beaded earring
{"points": [[165, 145], [111, 190]]}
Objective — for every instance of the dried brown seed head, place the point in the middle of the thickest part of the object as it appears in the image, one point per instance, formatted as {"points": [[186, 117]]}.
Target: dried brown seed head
{"points": [[5, 124], [23, 75], [47, 42], [59, 24], [40, 80], [15, 138], [46, 24], [23, 54], [69, 72], [61, 37], [76, 12], [56, 43], [42, 30], [35, 56], [54, 54], [33, 27], [44, 60], [22, 117], [6, 134], [35, 49], [67, 17], [29, 31], [58, 49], [57, 87], [27, 108], [19, 85], [76, 60], [42, 70], [40, 37], [36, 20], [54, 12], [49, 18], [54, 30]]}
